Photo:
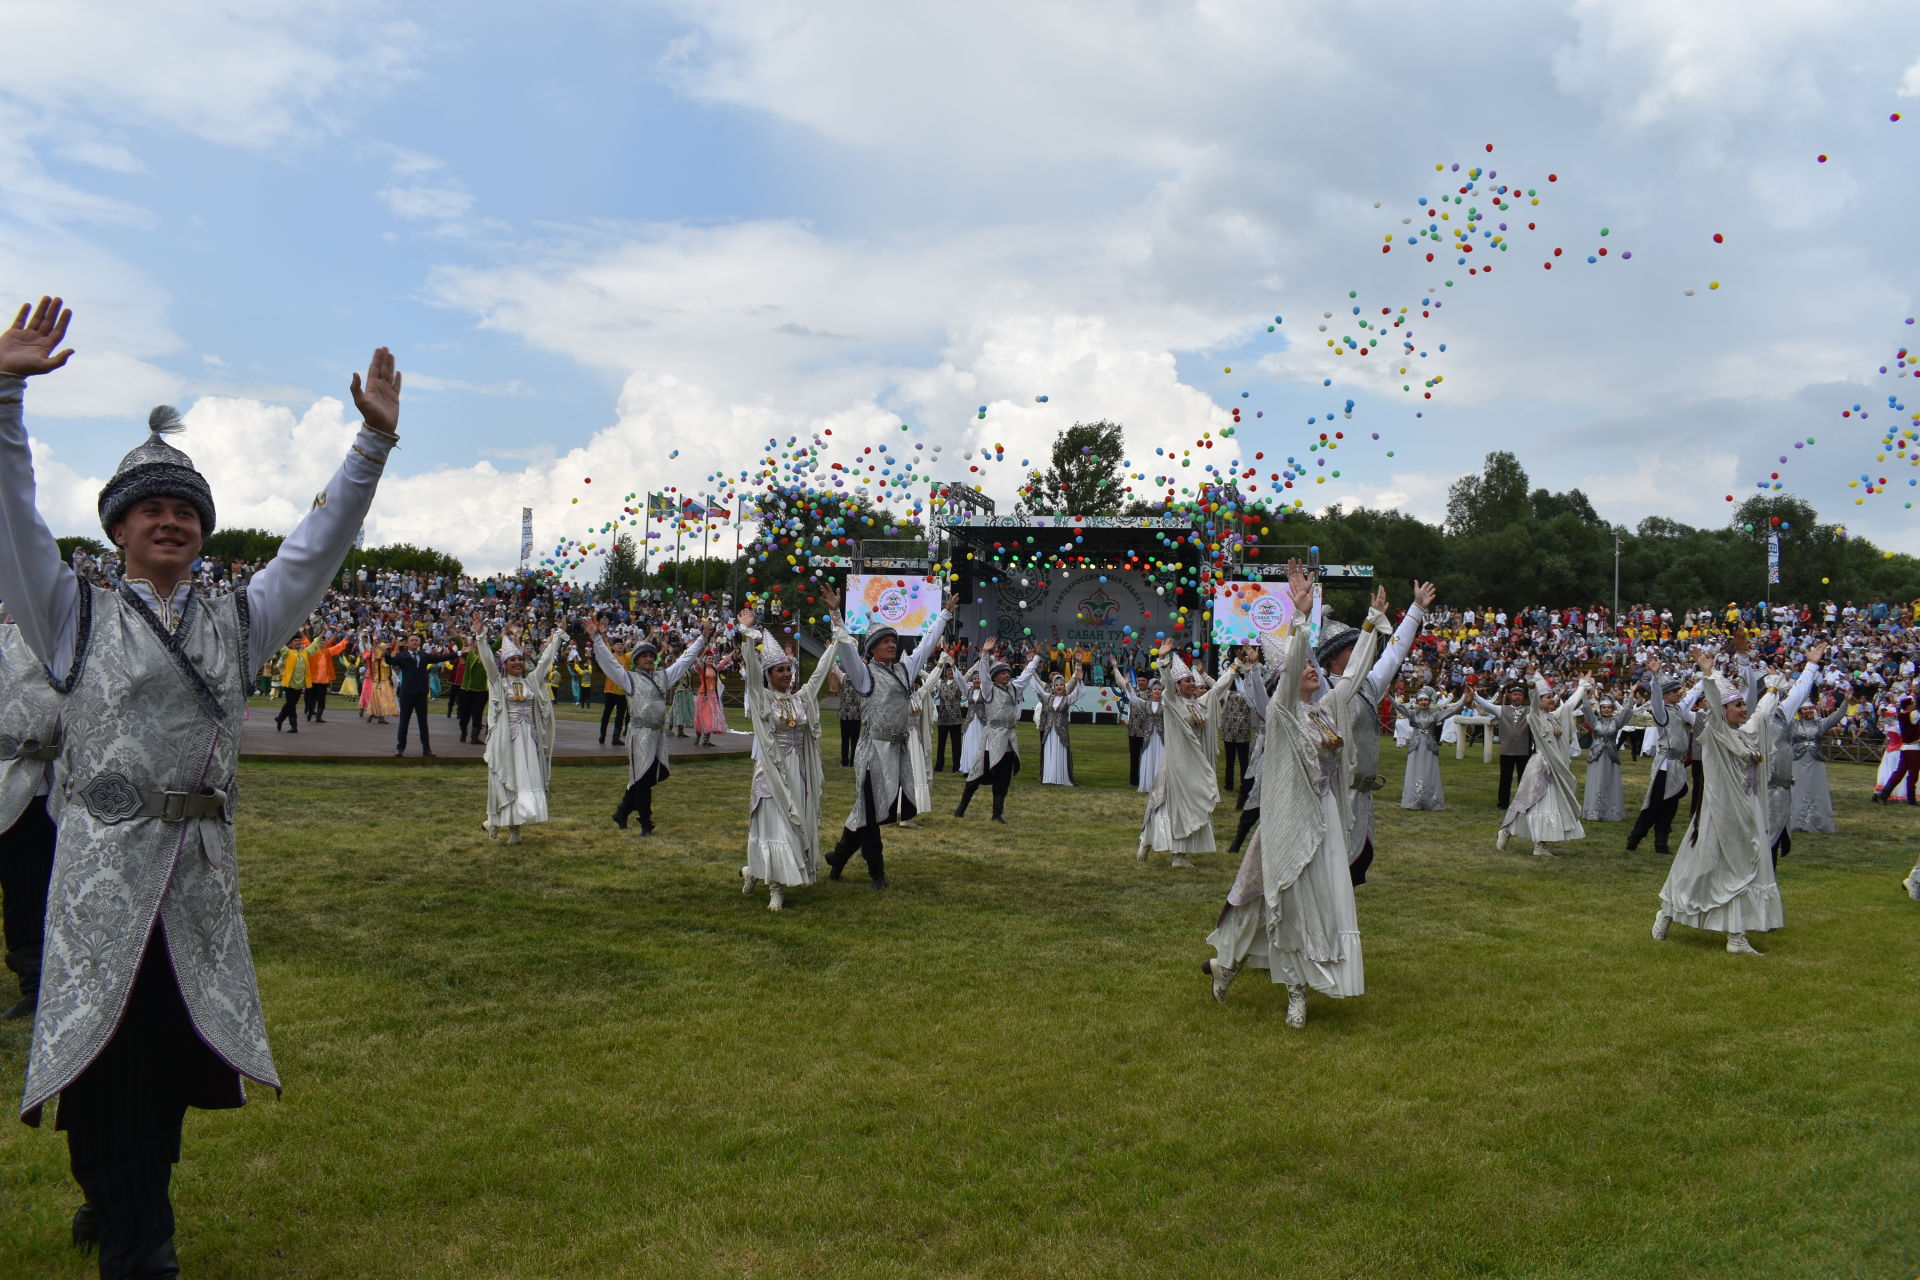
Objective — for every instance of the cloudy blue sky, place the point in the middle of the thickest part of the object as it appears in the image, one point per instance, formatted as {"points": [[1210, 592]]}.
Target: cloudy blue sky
{"points": [[595, 233]]}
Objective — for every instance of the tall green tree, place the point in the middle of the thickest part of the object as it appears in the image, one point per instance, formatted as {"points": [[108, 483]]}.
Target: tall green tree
{"points": [[1084, 476], [1493, 500]]}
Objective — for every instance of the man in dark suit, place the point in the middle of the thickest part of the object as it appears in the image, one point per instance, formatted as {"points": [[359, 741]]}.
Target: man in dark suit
{"points": [[409, 665]]}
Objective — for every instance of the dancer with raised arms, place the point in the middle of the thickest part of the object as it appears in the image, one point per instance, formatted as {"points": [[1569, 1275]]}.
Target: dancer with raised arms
{"points": [[1722, 876], [520, 730], [884, 680], [1291, 909], [1001, 693], [648, 692], [148, 1000], [1179, 818], [783, 808]]}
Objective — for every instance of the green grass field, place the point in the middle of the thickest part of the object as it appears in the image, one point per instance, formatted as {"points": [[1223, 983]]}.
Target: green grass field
{"points": [[590, 1056]]}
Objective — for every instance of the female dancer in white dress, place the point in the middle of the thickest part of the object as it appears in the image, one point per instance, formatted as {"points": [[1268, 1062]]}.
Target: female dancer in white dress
{"points": [[1186, 787], [783, 823], [1812, 793], [519, 731], [1154, 748], [1722, 876], [1605, 801], [1291, 909], [1546, 804], [1425, 722], [920, 723], [1056, 742]]}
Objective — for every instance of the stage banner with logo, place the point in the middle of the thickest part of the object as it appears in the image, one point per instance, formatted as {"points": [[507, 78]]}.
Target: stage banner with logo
{"points": [[1243, 612], [877, 600]]}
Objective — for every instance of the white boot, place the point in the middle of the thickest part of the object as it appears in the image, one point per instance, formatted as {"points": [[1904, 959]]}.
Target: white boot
{"points": [[1541, 849], [1912, 884], [1223, 976], [746, 882], [513, 835], [1181, 860], [776, 897], [1660, 923], [1738, 945], [1500, 841], [1296, 1006], [1141, 854]]}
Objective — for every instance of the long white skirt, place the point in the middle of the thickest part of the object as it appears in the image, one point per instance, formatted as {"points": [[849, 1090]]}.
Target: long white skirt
{"points": [[1541, 812], [772, 855], [970, 740], [1151, 753], [1054, 762], [1242, 936], [515, 797]]}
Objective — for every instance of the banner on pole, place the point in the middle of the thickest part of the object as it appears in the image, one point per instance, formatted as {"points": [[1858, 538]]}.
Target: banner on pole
{"points": [[1773, 559], [888, 600], [1243, 612], [526, 534], [658, 506]]}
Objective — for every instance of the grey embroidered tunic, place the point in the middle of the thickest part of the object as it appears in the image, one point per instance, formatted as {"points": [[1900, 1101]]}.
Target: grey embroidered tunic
{"points": [[880, 760], [649, 694], [29, 726], [151, 739]]}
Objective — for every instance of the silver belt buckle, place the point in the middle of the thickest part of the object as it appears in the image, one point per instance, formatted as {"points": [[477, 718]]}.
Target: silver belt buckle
{"points": [[173, 806]]}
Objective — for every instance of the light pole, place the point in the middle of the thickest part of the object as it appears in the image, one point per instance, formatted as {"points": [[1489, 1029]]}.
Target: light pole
{"points": [[1616, 576]]}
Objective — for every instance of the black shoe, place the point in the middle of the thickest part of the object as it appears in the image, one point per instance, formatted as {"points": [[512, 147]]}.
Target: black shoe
{"points": [[1632, 845], [21, 1008], [879, 882], [86, 1228], [160, 1263], [427, 755], [646, 831], [293, 728], [997, 818], [463, 737], [1663, 851], [835, 865], [401, 752], [620, 818], [960, 811]]}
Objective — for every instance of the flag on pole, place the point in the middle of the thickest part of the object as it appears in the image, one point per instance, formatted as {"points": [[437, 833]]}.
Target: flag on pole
{"points": [[1773, 559], [526, 534], [658, 507]]}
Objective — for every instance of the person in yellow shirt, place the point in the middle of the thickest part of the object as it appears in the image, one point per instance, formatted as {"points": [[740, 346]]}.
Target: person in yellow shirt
{"points": [[294, 678], [616, 696]]}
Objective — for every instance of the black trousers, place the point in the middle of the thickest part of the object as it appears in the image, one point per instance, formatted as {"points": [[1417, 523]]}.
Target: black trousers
{"points": [[849, 739], [1134, 747], [948, 732], [413, 704], [473, 715], [616, 711], [290, 707], [1357, 869], [1236, 751], [638, 799], [1511, 767], [316, 701], [998, 776], [1658, 818], [865, 839], [123, 1115], [26, 865]]}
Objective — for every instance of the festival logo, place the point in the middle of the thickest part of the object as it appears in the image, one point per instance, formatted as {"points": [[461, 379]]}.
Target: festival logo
{"points": [[1270, 614], [893, 605], [1100, 609]]}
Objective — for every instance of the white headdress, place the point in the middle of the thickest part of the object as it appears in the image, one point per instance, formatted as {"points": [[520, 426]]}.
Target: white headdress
{"points": [[509, 649], [1178, 670]]}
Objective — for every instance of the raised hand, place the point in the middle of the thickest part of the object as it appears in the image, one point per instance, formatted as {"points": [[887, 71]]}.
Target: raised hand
{"points": [[1816, 653], [592, 626], [745, 618], [1380, 598], [28, 346], [379, 400], [830, 595], [1300, 586], [1424, 593]]}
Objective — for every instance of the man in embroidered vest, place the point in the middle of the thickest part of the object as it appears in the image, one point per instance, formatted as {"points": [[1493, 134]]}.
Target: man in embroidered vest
{"points": [[884, 681], [29, 743], [648, 694], [148, 1000]]}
